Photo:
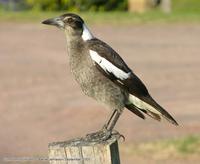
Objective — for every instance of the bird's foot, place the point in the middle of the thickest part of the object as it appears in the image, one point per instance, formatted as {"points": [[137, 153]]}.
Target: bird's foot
{"points": [[101, 135]]}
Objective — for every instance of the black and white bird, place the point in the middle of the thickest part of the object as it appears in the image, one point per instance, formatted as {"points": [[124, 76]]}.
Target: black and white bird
{"points": [[103, 75]]}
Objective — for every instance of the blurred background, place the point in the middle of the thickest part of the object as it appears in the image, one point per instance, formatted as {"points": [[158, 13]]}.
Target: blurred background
{"points": [[40, 101]]}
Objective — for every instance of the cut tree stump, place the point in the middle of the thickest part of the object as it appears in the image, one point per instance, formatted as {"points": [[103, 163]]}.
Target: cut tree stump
{"points": [[81, 151]]}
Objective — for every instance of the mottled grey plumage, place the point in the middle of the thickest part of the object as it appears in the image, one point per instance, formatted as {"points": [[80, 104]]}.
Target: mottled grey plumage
{"points": [[103, 75], [92, 82]]}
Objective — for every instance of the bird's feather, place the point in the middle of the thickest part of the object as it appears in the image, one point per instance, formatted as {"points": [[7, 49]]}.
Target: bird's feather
{"points": [[150, 114], [86, 35], [132, 83], [112, 66], [136, 111], [109, 67]]}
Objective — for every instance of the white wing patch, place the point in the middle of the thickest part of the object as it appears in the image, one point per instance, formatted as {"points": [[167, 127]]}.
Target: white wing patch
{"points": [[107, 66], [142, 105], [86, 35]]}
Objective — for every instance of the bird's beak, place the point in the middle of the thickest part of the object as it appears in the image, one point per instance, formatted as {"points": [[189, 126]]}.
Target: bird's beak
{"points": [[55, 22]]}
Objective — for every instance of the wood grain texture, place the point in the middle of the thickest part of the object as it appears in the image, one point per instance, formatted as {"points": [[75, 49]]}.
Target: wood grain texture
{"points": [[80, 151]]}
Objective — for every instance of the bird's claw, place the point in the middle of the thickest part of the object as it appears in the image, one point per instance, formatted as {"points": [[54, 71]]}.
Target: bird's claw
{"points": [[118, 135]]}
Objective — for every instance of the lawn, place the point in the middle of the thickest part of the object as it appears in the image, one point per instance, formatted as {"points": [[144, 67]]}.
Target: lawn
{"points": [[185, 147], [182, 11], [108, 17]]}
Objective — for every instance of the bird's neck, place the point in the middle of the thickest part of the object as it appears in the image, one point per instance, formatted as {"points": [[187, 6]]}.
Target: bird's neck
{"points": [[72, 40], [75, 46], [77, 54]]}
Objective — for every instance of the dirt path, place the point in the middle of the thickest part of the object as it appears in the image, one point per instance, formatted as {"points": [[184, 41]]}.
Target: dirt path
{"points": [[40, 102]]}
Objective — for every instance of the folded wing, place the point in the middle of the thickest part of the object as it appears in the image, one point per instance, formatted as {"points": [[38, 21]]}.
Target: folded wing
{"points": [[112, 66]]}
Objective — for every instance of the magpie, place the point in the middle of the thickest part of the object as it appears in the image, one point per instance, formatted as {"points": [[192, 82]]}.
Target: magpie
{"points": [[103, 75]]}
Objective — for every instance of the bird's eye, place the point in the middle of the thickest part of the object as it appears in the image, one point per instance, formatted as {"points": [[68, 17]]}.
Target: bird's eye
{"points": [[70, 20]]}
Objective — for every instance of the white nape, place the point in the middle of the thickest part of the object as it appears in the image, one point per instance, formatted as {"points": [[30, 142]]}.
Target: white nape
{"points": [[107, 66], [86, 35], [142, 105]]}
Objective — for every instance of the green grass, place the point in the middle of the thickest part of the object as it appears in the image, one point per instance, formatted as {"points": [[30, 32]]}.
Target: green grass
{"points": [[182, 147], [107, 17], [186, 5]]}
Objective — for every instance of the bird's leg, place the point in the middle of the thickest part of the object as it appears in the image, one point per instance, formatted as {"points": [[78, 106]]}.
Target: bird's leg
{"points": [[109, 120], [106, 131], [111, 124], [113, 120]]}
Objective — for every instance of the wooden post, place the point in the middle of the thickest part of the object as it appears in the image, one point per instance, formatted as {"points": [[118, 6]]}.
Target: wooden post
{"points": [[81, 151]]}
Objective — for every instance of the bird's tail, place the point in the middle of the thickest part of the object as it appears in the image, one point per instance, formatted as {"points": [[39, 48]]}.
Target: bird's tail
{"points": [[150, 107], [136, 111]]}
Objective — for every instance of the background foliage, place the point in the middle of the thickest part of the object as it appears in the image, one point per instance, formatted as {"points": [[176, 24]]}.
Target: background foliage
{"points": [[77, 5], [88, 5]]}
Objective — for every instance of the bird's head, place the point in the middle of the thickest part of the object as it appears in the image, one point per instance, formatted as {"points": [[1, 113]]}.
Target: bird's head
{"points": [[72, 24]]}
